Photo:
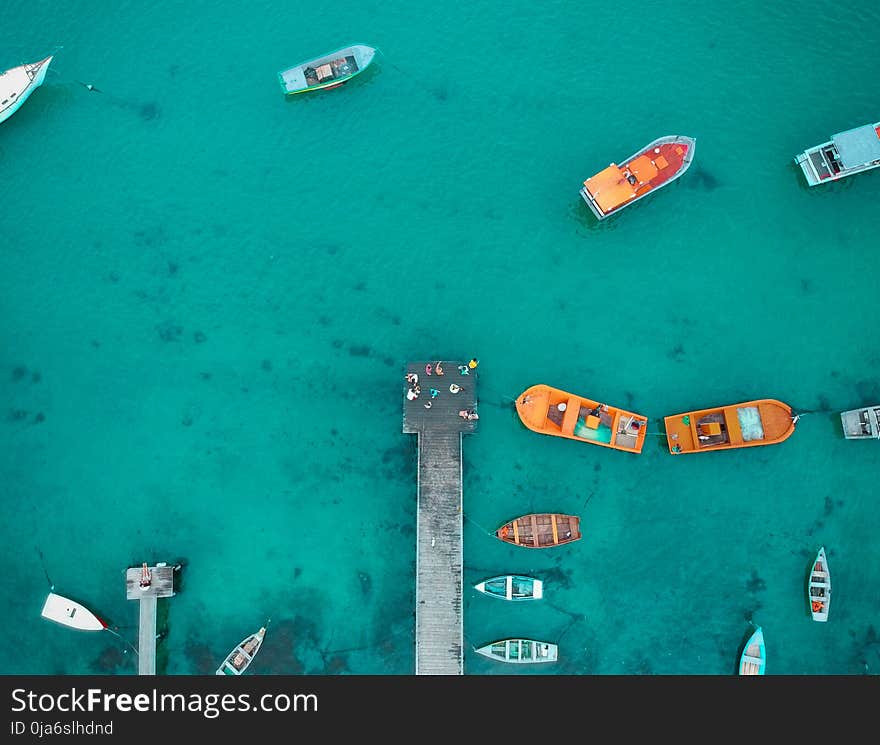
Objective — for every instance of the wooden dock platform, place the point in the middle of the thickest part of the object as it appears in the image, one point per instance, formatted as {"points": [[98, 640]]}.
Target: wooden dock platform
{"points": [[161, 586], [439, 627]]}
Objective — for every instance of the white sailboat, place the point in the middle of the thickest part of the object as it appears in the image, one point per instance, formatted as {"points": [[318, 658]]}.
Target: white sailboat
{"points": [[17, 83], [70, 613]]}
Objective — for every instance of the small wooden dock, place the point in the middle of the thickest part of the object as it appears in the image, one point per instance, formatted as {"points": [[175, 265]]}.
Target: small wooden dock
{"points": [[161, 586], [439, 628]]}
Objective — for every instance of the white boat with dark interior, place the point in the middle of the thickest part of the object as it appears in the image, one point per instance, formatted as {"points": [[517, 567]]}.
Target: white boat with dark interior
{"points": [[846, 153], [327, 71], [520, 651], [862, 423]]}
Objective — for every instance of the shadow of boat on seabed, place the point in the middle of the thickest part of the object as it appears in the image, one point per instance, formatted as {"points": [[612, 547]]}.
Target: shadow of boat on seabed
{"points": [[699, 178], [146, 110]]}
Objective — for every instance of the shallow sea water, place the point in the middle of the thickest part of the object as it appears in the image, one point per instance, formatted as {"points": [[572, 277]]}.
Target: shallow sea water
{"points": [[208, 294]]}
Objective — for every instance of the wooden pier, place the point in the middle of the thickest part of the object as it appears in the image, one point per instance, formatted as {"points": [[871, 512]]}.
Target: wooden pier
{"points": [[439, 629], [161, 586]]}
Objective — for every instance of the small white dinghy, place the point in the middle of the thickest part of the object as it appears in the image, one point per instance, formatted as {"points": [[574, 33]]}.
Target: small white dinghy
{"points": [[514, 587], [70, 613]]}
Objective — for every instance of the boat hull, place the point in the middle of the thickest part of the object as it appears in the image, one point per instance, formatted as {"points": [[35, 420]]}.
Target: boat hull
{"points": [[861, 424], [520, 651], [552, 411], [240, 658], [340, 66], [825, 163], [513, 587], [70, 613], [17, 84], [764, 421], [819, 587], [541, 530], [753, 660], [656, 165]]}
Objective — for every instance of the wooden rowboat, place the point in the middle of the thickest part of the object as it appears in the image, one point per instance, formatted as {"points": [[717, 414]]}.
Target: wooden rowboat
{"points": [[327, 71], [753, 659], [765, 421], [512, 587], [541, 530], [551, 411], [522, 651], [819, 587], [238, 660]]}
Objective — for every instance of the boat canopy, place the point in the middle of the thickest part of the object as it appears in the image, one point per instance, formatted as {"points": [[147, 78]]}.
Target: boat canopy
{"points": [[609, 188], [858, 146], [643, 169]]}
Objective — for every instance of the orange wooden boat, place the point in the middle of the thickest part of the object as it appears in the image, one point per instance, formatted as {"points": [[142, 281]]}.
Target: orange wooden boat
{"points": [[541, 530], [657, 164], [551, 411], [762, 422]]}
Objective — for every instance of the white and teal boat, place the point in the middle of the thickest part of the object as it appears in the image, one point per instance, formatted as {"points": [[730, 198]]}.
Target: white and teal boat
{"points": [[327, 71], [241, 656], [17, 83], [512, 587], [846, 153], [521, 651], [753, 659]]}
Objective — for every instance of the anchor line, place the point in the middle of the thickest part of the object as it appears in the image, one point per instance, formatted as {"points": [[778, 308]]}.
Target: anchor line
{"points": [[124, 640], [487, 532], [43, 564]]}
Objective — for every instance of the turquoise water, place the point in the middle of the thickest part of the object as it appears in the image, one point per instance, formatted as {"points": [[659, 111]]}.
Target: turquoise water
{"points": [[208, 295]]}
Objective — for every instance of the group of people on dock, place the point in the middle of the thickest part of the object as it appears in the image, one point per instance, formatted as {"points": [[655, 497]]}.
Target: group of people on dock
{"points": [[414, 390]]}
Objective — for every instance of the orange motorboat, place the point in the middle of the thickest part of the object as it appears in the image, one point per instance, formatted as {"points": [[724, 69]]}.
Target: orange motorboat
{"points": [[541, 530], [762, 422], [656, 165], [551, 411]]}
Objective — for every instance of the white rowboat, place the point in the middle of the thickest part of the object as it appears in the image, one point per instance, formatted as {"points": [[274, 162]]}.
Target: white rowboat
{"points": [[70, 613]]}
